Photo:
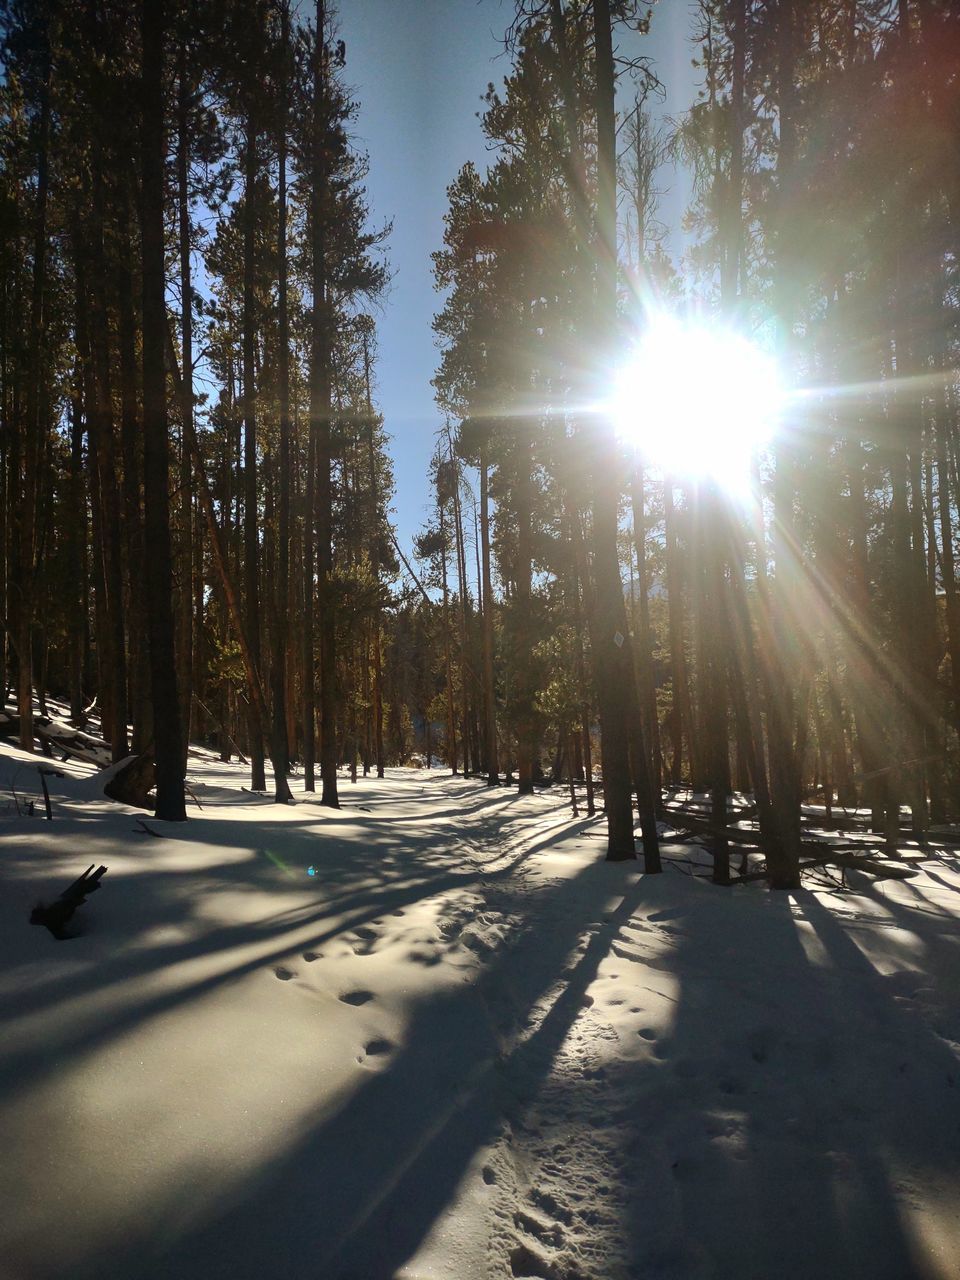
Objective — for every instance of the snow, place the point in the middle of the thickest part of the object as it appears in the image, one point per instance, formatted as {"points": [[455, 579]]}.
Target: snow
{"points": [[464, 1047]]}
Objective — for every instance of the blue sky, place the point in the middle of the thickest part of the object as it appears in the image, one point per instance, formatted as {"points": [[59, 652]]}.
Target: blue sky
{"points": [[419, 69]]}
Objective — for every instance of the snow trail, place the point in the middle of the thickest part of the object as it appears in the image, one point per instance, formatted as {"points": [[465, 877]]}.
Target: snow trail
{"points": [[434, 1035]]}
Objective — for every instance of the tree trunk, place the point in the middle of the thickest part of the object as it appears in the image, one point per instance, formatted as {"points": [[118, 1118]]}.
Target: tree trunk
{"points": [[468, 766], [783, 853], [610, 643], [320, 419], [280, 746], [33, 426], [76, 537], [109, 471], [158, 567], [523, 605], [251, 541], [447, 644], [185, 612], [375, 569], [645, 681], [141, 707], [489, 697]]}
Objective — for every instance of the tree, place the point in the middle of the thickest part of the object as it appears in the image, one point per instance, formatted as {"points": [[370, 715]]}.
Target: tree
{"points": [[168, 751]]}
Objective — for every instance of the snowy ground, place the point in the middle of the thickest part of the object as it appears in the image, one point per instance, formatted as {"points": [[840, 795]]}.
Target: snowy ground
{"points": [[464, 1048]]}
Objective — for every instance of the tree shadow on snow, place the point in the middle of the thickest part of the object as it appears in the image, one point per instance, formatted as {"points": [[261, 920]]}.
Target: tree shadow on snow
{"points": [[351, 892], [786, 1104], [746, 1151], [361, 1189]]}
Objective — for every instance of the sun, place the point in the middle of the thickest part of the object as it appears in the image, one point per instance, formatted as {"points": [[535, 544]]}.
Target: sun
{"points": [[698, 400]]}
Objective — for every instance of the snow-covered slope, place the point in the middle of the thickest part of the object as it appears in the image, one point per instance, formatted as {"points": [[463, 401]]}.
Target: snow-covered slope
{"points": [[435, 1035]]}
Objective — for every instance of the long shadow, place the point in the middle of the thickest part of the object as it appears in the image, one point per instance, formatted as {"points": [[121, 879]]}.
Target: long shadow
{"points": [[941, 961], [359, 1192], [775, 1121], [351, 887], [26, 1068], [898, 1060], [478, 802], [794, 1136], [167, 896]]}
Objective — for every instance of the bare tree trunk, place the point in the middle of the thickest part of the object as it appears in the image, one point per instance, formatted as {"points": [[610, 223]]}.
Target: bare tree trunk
{"points": [[141, 707], [109, 471], [308, 678], [185, 618], [715, 710], [102, 631], [468, 766], [522, 604], [375, 569], [320, 420], [947, 555], [783, 852], [645, 665], [280, 746], [251, 542], [76, 536], [158, 568], [33, 426], [489, 696], [447, 645], [680, 710], [610, 648]]}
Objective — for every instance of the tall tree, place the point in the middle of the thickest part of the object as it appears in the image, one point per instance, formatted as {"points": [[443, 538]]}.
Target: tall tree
{"points": [[280, 751], [159, 570]]}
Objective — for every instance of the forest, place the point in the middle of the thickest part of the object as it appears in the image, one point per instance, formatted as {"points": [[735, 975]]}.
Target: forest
{"points": [[197, 478], [562, 883]]}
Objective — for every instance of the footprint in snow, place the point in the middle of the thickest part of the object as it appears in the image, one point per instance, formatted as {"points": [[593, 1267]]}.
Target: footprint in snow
{"points": [[550, 1233], [355, 997], [647, 1033], [544, 1200], [310, 956], [525, 1263], [376, 1048], [283, 973], [365, 940]]}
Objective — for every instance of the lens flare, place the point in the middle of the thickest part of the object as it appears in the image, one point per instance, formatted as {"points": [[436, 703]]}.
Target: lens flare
{"points": [[698, 401]]}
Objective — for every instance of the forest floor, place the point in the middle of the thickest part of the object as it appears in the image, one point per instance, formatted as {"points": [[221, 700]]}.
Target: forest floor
{"points": [[434, 1034]]}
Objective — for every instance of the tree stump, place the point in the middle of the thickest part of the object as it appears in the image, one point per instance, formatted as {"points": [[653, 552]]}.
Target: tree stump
{"points": [[132, 781]]}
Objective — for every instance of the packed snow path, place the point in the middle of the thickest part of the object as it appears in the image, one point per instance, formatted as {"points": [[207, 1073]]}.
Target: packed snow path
{"points": [[435, 1035]]}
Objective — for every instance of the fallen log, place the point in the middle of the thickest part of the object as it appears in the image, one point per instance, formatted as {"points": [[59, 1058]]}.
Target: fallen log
{"points": [[698, 805], [72, 742], [873, 866], [849, 862], [827, 852], [704, 827]]}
